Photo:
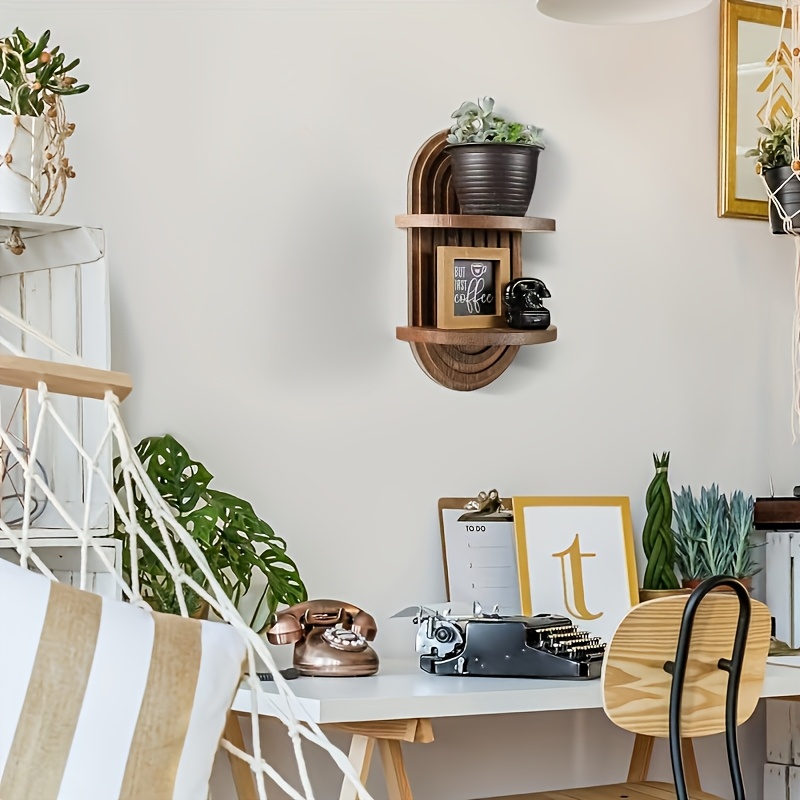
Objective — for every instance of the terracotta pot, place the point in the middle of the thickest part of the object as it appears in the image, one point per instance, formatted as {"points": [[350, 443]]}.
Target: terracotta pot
{"points": [[695, 582], [655, 594]]}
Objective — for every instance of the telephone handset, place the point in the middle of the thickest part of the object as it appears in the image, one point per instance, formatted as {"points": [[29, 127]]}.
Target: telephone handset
{"points": [[330, 638]]}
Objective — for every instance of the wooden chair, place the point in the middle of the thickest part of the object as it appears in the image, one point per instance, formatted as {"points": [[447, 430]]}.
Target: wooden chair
{"points": [[681, 667]]}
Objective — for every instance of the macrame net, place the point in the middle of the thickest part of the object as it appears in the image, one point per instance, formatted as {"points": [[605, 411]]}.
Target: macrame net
{"points": [[790, 221], [32, 488]]}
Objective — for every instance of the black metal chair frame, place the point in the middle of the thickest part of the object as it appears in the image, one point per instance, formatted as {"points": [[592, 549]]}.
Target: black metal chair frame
{"points": [[732, 665]]}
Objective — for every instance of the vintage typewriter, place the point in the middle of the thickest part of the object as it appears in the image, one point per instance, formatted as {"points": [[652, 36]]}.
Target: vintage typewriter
{"points": [[492, 645]]}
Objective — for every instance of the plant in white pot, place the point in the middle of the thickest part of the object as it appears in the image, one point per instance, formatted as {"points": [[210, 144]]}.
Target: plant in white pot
{"points": [[493, 161], [34, 168]]}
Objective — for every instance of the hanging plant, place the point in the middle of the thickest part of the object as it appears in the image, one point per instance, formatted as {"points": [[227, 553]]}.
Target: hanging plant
{"points": [[657, 537]]}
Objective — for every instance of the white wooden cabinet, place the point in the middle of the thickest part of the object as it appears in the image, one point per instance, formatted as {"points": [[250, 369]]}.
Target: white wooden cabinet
{"points": [[58, 285]]}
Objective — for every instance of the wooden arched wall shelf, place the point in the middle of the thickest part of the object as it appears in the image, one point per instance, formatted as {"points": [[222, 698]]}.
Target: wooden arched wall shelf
{"points": [[464, 359]]}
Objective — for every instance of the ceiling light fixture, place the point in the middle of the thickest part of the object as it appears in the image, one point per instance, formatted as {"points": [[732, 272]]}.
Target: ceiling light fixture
{"points": [[617, 12]]}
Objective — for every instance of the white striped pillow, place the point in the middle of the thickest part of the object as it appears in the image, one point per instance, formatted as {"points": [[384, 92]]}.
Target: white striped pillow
{"points": [[100, 700]]}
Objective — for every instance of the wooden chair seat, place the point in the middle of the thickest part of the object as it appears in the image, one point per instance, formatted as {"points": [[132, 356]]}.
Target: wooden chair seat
{"points": [[644, 790]]}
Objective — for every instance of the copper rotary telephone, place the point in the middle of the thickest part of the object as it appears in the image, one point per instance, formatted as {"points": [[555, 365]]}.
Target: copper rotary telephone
{"points": [[330, 638]]}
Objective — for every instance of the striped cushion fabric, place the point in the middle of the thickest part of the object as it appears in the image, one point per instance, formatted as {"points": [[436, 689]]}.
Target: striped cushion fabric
{"points": [[100, 700]]}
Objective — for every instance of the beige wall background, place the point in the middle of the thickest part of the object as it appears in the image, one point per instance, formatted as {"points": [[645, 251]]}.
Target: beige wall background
{"points": [[247, 158]]}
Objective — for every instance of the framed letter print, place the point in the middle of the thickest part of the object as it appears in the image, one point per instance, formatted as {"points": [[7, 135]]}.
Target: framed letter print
{"points": [[576, 558], [469, 286], [749, 46]]}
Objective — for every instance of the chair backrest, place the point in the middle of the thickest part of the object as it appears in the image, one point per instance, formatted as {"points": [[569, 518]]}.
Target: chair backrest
{"points": [[636, 687]]}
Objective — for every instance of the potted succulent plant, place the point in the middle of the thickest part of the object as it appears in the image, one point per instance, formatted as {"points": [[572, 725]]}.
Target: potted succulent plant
{"points": [[237, 544], [781, 173], [714, 536], [493, 161], [34, 168]]}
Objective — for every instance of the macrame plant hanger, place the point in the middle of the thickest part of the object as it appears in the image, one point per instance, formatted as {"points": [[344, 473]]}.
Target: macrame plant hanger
{"points": [[791, 12], [46, 378]]}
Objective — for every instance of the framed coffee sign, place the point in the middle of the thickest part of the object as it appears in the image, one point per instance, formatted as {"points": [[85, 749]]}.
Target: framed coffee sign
{"points": [[469, 286]]}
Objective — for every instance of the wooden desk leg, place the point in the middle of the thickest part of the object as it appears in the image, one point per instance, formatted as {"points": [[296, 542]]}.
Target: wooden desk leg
{"points": [[394, 770], [690, 766], [388, 734], [640, 758], [243, 778], [360, 755], [643, 751]]}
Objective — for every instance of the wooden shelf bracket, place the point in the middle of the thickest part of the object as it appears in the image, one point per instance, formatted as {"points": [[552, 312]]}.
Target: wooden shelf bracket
{"points": [[467, 359]]}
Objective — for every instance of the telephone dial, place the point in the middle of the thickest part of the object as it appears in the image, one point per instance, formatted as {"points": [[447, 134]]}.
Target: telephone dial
{"points": [[330, 638]]}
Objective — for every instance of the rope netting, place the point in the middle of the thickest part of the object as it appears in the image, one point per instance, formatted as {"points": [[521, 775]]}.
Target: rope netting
{"points": [[98, 486], [790, 19]]}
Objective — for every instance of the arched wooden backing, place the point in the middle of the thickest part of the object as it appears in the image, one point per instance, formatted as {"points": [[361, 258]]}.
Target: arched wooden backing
{"points": [[636, 688], [457, 367]]}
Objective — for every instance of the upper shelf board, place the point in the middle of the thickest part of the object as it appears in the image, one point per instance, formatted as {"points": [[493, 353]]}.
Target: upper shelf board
{"points": [[35, 223], [476, 221]]}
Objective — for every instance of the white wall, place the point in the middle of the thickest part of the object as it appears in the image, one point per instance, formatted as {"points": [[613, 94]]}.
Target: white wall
{"points": [[248, 164]]}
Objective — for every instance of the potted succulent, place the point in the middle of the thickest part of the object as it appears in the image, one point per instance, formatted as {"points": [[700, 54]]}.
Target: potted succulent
{"points": [[658, 539], [714, 536], [34, 168], [237, 544], [493, 161], [780, 172]]}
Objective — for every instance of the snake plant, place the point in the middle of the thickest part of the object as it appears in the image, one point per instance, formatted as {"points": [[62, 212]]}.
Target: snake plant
{"points": [[657, 537]]}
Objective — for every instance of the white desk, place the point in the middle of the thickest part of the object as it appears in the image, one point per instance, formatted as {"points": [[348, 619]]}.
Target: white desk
{"points": [[398, 703], [401, 690]]}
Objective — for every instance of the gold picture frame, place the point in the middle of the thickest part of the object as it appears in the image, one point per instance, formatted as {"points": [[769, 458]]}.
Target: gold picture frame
{"points": [[576, 557], [748, 47], [452, 297]]}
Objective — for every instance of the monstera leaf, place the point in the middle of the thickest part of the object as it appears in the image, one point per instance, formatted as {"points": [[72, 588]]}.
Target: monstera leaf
{"points": [[236, 542]]}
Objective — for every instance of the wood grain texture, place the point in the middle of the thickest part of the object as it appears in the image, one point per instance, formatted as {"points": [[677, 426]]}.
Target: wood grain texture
{"points": [[394, 770], [360, 756], [463, 368], [641, 755], [243, 780], [636, 688], [456, 364], [481, 223], [645, 790], [26, 373], [485, 337], [406, 730]]}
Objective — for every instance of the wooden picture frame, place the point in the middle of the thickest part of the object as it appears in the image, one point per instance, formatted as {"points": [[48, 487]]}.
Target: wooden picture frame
{"points": [[481, 562], [576, 557], [457, 296], [748, 38]]}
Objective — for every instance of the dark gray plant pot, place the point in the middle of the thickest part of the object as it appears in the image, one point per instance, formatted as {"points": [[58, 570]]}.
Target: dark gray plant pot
{"points": [[496, 179], [788, 196]]}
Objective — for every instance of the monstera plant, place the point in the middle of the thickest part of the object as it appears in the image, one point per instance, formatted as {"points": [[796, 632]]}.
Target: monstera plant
{"points": [[236, 542]]}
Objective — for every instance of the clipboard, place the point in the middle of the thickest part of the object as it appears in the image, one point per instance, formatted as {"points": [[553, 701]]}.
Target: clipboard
{"points": [[479, 555]]}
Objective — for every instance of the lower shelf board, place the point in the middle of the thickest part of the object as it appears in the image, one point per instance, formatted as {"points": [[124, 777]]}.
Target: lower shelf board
{"points": [[476, 337]]}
